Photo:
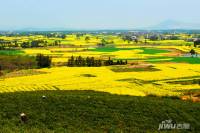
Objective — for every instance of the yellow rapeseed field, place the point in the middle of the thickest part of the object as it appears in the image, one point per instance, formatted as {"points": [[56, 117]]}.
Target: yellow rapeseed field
{"points": [[103, 79]]}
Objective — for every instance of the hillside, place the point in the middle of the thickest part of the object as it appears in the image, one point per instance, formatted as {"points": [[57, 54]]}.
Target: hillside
{"points": [[88, 111]]}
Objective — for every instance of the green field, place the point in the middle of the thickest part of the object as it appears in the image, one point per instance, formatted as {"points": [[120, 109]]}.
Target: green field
{"points": [[87, 111], [11, 52], [145, 50]]}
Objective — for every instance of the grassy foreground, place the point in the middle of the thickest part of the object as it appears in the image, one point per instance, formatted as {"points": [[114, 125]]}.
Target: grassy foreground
{"points": [[88, 111]]}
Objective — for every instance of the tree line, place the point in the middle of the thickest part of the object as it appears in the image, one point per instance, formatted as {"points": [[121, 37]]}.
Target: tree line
{"points": [[27, 44], [46, 61], [12, 63], [92, 62]]}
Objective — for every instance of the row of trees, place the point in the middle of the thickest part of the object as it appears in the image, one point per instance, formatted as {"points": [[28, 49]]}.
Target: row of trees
{"points": [[92, 62], [110, 62], [46, 61], [27, 44], [43, 61], [39, 43], [34, 43]]}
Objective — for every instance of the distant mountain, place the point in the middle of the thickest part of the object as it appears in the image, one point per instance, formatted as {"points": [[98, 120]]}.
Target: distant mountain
{"points": [[171, 24], [165, 25]]}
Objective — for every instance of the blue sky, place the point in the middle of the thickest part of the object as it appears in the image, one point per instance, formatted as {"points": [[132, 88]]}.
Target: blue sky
{"points": [[95, 14]]}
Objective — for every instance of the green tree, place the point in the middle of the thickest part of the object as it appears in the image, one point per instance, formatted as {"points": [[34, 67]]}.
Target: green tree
{"points": [[87, 38], [43, 61]]}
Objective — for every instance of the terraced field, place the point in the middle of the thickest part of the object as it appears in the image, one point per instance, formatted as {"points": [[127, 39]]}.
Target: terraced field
{"points": [[150, 88], [129, 81], [151, 71]]}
